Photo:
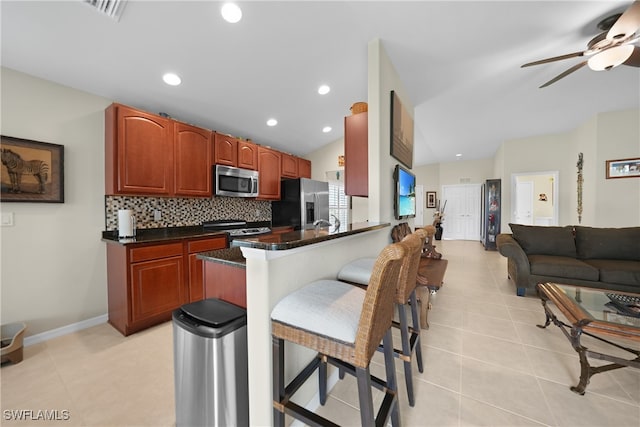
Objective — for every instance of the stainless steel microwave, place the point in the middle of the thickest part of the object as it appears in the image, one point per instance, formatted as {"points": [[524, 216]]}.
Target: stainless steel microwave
{"points": [[235, 182]]}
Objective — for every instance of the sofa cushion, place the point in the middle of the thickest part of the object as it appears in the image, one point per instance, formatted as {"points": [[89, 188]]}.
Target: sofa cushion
{"points": [[539, 240], [560, 266], [616, 271], [608, 243]]}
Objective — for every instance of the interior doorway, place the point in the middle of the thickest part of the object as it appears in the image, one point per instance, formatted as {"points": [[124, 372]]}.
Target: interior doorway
{"points": [[534, 198]]}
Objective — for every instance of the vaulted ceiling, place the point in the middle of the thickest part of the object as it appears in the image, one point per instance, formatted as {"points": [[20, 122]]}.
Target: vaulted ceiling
{"points": [[459, 62]]}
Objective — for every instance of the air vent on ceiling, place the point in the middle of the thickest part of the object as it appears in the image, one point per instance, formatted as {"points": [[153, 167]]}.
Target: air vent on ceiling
{"points": [[112, 8]]}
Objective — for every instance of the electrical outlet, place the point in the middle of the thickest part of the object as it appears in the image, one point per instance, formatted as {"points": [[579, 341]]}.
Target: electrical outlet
{"points": [[7, 219], [157, 215]]}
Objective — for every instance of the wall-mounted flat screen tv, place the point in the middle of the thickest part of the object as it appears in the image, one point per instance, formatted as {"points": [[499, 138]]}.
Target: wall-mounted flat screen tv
{"points": [[405, 193]]}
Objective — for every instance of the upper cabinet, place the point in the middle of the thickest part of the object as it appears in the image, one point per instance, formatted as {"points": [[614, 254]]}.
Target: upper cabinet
{"points": [[269, 168], [139, 152], [304, 168], [226, 150], [356, 166], [230, 151], [192, 167], [289, 166], [247, 155], [146, 154]]}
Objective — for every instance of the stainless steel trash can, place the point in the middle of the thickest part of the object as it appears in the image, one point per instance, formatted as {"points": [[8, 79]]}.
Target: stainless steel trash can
{"points": [[210, 364]]}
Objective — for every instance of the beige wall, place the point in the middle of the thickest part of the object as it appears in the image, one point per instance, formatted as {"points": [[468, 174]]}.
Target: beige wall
{"points": [[326, 159], [53, 262], [383, 78]]}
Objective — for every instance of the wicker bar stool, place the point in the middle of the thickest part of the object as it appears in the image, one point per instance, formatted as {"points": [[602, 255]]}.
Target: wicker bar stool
{"points": [[358, 272], [345, 325]]}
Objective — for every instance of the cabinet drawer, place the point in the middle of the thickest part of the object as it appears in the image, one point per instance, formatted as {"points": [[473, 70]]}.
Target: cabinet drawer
{"points": [[207, 245], [154, 252]]}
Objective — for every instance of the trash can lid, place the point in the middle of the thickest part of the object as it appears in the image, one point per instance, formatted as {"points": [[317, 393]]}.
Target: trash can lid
{"points": [[213, 312]]}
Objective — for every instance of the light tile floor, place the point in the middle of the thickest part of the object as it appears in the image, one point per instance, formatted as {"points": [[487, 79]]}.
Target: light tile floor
{"points": [[486, 364]]}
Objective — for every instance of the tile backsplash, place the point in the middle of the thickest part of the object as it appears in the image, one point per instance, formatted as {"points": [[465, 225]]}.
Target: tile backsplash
{"points": [[178, 212]]}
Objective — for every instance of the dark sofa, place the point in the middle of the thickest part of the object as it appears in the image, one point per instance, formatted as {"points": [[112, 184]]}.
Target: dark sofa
{"points": [[606, 258]]}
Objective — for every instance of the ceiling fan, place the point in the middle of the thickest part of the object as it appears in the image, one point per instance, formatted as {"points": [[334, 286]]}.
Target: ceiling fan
{"points": [[613, 47]]}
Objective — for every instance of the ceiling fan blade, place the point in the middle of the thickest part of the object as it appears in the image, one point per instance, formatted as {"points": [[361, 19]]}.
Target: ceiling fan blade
{"points": [[627, 24], [565, 74], [555, 58], [634, 59]]}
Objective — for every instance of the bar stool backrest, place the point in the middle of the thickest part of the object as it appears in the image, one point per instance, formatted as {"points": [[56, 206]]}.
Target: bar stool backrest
{"points": [[377, 309], [410, 265]]}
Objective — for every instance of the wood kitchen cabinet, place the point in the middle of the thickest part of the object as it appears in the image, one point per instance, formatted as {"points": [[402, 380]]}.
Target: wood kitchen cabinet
{"points": [[146, 282], [304, 168], [138, 152], [226, 282], [225, 150], [146, 154], [356, 155], [247, 155], [196, 279], [289, 166], [192, 167], [269, 169]]}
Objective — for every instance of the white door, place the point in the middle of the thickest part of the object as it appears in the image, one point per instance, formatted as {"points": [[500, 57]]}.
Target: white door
{"points": [[419, 219], [462, 212], [524, 203]]}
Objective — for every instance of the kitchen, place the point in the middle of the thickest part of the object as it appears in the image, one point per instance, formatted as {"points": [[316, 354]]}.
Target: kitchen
{"points": [[72, 284]]}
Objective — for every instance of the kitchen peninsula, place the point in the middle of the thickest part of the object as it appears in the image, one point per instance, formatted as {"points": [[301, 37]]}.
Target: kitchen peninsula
{"points": [[277, 265]]}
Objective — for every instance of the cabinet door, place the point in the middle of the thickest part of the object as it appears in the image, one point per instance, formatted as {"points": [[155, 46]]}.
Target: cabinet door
{"points": [[196, 277], [356, 155], [226, 282], [269, 169], [157, 287], [226, 150], [289, 166], [144, 152], [304, 168], [247, 155], [192, 165]]}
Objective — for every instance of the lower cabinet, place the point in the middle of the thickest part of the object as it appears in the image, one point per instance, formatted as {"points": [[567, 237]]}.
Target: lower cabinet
{"points": [[226, 282], [146, 282]]}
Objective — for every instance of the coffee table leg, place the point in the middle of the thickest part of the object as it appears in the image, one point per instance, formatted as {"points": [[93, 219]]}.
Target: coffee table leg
{"points": [[585, 372]]}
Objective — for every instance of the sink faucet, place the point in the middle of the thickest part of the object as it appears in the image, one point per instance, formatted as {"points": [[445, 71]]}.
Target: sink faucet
{"points": [[337, 223], [320, 222]]}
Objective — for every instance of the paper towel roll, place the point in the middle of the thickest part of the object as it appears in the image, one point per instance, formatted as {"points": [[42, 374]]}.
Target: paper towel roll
{"points": [[126, 226]]}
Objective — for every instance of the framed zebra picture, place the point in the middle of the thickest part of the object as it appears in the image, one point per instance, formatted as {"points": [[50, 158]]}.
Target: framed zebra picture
{"points": [[32, 171]]}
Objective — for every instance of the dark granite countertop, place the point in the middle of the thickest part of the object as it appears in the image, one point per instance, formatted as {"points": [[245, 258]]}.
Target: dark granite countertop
{"points": [[231, 256], [158, 235], [299, 238]]}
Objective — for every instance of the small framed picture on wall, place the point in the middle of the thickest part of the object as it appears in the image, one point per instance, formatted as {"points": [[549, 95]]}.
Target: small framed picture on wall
{"points": [[431, 199]]}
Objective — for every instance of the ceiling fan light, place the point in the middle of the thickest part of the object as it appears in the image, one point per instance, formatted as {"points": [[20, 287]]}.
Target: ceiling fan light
{"points": [[610, 58]]}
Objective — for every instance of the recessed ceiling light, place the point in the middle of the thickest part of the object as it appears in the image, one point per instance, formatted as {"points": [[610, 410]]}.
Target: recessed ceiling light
{"points": [[324, 89], [231, 12], [326, 129], [272, 122], [172, 79], [458, 155]]}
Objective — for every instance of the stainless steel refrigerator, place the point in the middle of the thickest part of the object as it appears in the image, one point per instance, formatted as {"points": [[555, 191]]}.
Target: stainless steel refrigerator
{"points": [[302, 202]]}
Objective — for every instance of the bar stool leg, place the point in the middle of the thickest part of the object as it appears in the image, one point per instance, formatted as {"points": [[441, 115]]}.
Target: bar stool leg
{"points": [[390, 369], [278, 381], [322, 379], [415, 314], [406, 352], [365, 396]]}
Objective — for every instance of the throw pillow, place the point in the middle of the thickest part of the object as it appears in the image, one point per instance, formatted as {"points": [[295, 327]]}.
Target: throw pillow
{"points": [[540, 240], [608, 243]]}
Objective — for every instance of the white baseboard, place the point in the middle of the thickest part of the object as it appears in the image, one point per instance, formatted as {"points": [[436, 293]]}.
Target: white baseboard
{"points": [[64, 330]]}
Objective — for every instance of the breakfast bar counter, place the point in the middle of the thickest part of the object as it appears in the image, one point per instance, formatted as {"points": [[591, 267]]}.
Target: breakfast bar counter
{"points": [[277, 265]]}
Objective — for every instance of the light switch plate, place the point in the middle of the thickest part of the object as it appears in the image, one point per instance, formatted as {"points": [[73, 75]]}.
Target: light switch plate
{"points": [[7, 219]]}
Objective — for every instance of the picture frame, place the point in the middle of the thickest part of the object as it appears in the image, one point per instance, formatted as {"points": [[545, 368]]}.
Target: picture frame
{"points": [[401, 132], [31, 171], [431, 199], [623, 168]]}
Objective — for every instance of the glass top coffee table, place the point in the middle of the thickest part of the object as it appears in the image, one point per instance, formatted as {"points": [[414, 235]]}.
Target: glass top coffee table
{"points": [[592, 312]]}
